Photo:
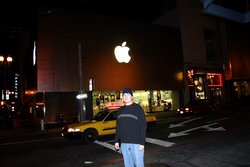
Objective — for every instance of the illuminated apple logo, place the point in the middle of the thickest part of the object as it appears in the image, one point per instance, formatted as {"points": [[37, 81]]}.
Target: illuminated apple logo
{"points": [[121, 53]]}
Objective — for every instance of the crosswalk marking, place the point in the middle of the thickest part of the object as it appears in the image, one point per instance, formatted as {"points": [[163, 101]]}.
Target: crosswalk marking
{"points": [[159, 142], [107, 145], [149, 140], [208, 127]]}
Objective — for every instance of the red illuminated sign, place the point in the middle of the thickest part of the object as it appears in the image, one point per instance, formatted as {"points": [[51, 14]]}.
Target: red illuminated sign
{"points": [[114, 105], [214, 80]]}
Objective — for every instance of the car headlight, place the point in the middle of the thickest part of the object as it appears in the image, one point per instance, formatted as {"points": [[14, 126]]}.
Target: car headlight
{"points": [[73, 130]]}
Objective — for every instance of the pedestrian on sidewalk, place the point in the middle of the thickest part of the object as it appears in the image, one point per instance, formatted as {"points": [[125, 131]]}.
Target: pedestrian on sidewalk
{"points": [[131, 131]]}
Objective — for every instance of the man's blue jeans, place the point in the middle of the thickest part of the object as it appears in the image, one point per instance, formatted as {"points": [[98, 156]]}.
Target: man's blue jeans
{"points": [[132, 156]]}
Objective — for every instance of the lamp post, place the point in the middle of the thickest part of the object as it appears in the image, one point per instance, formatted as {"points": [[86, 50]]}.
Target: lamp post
{"points": [[81, 96], [5, 62], [7, 116]]}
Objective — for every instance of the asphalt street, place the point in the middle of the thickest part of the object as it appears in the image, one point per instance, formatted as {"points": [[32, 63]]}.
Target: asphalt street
{"points": [[228, 149]]}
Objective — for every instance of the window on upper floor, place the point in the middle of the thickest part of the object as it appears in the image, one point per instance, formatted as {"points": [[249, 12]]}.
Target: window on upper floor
{"points": [[210, 44]]}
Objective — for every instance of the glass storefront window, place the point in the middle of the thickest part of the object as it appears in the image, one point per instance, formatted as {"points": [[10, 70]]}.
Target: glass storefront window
{"points": [[199, 87], [160, 100], [241, 88], [204, 85], [214, 79]]}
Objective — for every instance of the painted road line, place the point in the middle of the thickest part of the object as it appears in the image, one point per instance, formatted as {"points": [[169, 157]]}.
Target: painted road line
{"points": [[149, 140], [218, 120], [209, 128], [159, 142], [183, 133], [181, 124], [107, 145]]}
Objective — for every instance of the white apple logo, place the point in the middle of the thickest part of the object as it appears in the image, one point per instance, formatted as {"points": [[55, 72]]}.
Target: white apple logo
{"points": [[121, 53]]}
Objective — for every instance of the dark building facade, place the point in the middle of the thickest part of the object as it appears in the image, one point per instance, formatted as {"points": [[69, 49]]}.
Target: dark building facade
{"points": [[237, 71], [73, 48]]}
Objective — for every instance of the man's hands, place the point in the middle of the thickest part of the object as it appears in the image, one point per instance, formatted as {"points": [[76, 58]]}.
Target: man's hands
{"points": [[141, 147], [117, 146]]}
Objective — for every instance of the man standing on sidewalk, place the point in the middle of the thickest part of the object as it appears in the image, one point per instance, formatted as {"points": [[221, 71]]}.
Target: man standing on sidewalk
{"points": [[131, 131]]}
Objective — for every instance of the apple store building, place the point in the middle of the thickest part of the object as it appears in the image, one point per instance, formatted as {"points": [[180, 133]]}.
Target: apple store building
{"points": [[102, 55]]}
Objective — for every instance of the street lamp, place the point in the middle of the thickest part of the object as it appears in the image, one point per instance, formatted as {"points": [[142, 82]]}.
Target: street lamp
{"points": [[8, 59], [4, 63], [7, 116]]}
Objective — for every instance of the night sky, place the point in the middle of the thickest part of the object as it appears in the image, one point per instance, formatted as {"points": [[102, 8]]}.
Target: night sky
{"points": [[14, 12], [16, 15], [20, 16]]}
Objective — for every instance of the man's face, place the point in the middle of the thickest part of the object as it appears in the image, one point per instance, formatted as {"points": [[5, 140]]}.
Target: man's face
{"points": [[127, 98]]}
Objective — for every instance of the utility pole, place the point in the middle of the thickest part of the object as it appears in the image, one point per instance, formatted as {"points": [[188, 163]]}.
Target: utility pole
{"points": [[82, 107]]}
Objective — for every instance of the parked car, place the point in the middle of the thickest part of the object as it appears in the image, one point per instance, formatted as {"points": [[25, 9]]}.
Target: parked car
{"points": [[103, 123], [197, 107]]}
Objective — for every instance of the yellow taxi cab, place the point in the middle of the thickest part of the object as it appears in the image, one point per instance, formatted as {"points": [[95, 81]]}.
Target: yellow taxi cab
{"points": [[103, 123]]}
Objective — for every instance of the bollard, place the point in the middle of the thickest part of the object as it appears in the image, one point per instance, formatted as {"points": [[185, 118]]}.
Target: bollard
{"points": [[42, 124]]}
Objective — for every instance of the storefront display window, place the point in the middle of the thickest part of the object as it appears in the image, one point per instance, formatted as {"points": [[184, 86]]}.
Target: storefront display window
{"points": [[204, 85], [160, 100], [214, 79], [199, 87], [190, 74], [241, 88]]}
